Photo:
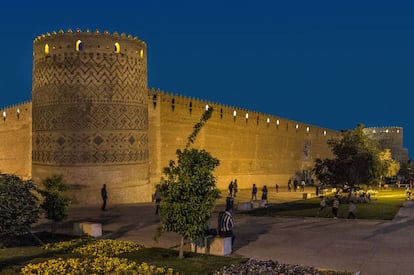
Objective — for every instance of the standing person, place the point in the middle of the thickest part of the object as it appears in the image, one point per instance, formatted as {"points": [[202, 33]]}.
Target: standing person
{"points": [[235, 188], [104, 195], [254, 192], [157, 199], [295, 185], [351, 210], [408, 192], [302, 185], [264, 193], [335, 206], [277, 188], [290, 185], [225, 226], [231, 188], [322, 205]]}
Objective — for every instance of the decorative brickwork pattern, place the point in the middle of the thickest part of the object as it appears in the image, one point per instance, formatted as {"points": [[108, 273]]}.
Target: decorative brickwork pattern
{"points": [[90, 103]]}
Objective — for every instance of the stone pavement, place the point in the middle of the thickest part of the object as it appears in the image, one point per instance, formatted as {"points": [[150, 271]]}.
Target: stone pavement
{"points": [[372, 247]]}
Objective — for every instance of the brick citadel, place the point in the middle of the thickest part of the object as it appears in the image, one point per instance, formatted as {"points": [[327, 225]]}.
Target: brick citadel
{"points": [[93, 119]]}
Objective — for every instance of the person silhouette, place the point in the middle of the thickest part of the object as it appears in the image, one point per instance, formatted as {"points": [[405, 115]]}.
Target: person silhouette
{"points": [[104, 195]]}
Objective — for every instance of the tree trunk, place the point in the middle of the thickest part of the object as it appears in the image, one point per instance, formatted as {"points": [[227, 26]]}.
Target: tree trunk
{"points": [[181, 255]]}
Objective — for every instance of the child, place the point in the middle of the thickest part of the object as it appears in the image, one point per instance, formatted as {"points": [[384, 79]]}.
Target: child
{"points": [[322, 205], [351, 210]]}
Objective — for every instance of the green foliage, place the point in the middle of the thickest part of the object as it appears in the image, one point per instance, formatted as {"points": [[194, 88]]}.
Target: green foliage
{"points": [[357, 161], [19, 206], [189, 190], [55, 203], [406, 170]]}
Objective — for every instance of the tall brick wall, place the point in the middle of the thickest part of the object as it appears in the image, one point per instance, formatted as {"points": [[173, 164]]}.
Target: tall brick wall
{"points": [[262, 149], [16, 140]]}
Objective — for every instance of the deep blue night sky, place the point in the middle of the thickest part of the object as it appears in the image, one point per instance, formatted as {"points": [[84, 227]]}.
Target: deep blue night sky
{"points": [[332, 63]]}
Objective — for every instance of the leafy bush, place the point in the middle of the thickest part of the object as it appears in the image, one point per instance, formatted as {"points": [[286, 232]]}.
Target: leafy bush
{"points": [[19, 206]]}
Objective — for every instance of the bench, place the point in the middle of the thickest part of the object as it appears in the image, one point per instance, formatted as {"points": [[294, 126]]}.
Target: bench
{"points": [[259, 203], [244, 206], [215, 245], [87, 228]]}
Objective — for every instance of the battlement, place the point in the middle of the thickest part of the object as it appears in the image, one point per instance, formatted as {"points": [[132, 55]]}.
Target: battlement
{"points": [[87, 42], [233, 115], [16, 112]]}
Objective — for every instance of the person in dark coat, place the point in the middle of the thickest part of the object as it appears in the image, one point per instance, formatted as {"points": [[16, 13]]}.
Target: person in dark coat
{"points": [[104, 195]]}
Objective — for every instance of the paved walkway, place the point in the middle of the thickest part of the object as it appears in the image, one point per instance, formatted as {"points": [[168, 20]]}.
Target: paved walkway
{"points": [[371, 247]]}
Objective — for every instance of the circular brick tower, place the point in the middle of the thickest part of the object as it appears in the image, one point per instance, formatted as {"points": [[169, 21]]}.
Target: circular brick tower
{"points": [[90, 114]]}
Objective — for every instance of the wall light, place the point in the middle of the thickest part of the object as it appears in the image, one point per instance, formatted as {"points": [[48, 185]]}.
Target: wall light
{"points": [[307, 129], [297, 126], [207, 107], [268, 120], [324, 133], [4, 116]]}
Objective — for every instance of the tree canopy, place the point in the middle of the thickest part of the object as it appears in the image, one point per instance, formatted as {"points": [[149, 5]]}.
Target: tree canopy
{"points": [[188, 190], [357, 161]]}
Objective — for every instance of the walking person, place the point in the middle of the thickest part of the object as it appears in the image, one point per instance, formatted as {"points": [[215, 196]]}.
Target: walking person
{"points": [[277, 188], [254, 192], [322, 205], [235, 188], [157, 199], [231, 188], [335, 206], [104, 195], [264, 194], [290, 185], [351, 210]]}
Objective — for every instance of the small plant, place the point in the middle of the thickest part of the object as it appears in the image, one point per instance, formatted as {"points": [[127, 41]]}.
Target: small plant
{"points": [[55, 203]]}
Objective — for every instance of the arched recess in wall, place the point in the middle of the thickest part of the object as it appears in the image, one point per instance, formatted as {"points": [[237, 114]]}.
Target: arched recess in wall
{"points": [[154, 100], [172, 104], [117, 48], [79, 46], [47, 49]]}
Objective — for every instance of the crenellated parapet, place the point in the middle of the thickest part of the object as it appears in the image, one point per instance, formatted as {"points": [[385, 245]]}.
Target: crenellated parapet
{"points": [[17, 112], [233, 115], [389, 138]]}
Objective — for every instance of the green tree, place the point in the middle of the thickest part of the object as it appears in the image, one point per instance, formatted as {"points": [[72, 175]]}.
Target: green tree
{"points": [[391, 166], [188, 190], [406, 170], [357, 161], [55, 203], [19, 206]]}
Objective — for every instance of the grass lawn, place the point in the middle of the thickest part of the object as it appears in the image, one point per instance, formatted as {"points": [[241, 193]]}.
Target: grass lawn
{"points": [[383, 206]]}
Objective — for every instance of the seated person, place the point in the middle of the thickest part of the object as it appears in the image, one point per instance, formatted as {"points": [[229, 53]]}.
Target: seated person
{"points": [[225, 225]]}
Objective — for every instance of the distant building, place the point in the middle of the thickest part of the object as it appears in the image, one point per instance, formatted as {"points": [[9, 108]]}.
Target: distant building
{"points": [[389, 138]]}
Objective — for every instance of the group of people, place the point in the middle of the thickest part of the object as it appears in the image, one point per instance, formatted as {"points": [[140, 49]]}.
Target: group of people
{"points": [[264, 192], [335, 207], [233, 188], [296, 185]]}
